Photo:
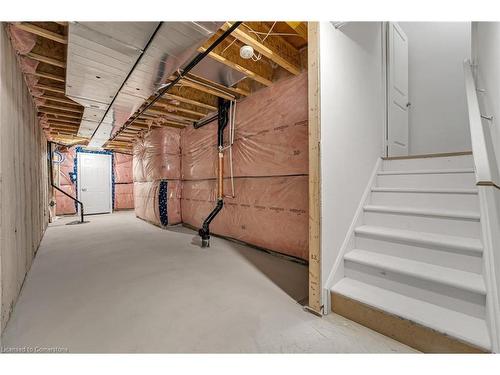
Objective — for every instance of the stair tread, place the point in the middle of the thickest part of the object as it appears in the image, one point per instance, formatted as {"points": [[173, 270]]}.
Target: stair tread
{"points": [[426, 171], [464, 280], [471, 215], [434, 239], [458, 325], [423, 190]]}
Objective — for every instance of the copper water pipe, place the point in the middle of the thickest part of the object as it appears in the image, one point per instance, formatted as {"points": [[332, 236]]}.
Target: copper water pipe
{"points": [[220, 176]]}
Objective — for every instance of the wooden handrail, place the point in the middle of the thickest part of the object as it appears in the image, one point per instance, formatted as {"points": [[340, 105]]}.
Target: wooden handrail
{"points": [[482, 146]]}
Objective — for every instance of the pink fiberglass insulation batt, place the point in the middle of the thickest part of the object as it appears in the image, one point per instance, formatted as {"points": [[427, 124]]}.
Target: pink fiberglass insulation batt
{"points": [[148, 203], [157, 161], [122, 168], [65, 205], [271, 136], [22, 41], [124, 196], [157, 155], [269, 212], [270, 165], [270, 162], [124, 187]]}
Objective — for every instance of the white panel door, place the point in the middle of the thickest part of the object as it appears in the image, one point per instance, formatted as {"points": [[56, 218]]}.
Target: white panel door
{"points": [[94, 182], [397, 85]]}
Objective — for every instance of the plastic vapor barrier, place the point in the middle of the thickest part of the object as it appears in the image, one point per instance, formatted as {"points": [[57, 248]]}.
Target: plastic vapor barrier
{"points": [[158, 202], [270, 167], [65, 205], [269, 163], [269, 212], [124, 185], [156, 175]]}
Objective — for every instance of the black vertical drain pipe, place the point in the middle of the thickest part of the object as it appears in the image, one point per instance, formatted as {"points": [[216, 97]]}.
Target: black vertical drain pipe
{"points": [[49, 150], [222, 120]]}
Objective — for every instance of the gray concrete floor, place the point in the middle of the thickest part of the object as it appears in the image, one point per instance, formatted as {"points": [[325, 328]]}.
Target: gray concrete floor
{"points": [[118, 284]]}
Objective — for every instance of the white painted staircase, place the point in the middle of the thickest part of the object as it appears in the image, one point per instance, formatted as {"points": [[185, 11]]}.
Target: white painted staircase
{"points": [[417, 250]]}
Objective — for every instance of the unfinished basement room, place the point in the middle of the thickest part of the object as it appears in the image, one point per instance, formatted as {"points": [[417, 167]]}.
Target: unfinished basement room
{"points": [[168, 174], [249, 186]]}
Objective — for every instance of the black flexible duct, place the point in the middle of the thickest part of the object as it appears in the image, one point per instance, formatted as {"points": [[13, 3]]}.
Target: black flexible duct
{"points": [[51, 173], [223, 119]]}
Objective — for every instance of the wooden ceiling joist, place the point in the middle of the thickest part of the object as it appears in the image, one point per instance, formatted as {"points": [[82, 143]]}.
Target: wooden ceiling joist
{"points": [[62, 108], [33, 29], [63, 128], [171, 124], [274, 48], [46, 59], [50, 76], [205, 89], [300, 28], [215, 85], [49, 112], [229, 55], [171, 107], [50, 88], [125, 136], [188, 99], [160, 112], [57, 131], [56, 120], [59, 100]]}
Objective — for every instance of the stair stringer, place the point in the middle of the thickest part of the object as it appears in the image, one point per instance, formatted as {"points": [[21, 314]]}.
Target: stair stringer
{"points": [[337, 271]]}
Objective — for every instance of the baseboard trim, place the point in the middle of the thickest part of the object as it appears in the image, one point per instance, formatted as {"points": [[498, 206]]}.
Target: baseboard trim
{"points": [[424, 156], [405, 331]]}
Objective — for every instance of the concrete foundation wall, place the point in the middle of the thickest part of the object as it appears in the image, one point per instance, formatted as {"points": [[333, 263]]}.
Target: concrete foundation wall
{"points": [[23, 179]]}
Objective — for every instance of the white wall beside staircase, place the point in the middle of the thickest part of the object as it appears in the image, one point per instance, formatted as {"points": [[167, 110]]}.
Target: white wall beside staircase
{"points": [[438, 119], [351, 125]]}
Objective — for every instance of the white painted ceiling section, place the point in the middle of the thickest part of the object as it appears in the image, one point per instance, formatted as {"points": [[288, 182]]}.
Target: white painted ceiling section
{"points": [[102, 54]]}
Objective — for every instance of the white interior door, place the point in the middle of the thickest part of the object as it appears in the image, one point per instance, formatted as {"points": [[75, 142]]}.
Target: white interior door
{"points": [[397, 91], [94, 182]]}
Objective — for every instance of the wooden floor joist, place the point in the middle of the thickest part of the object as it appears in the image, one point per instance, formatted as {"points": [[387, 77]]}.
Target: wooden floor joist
{"points": [[50, 88], [171, 107], [59, 100], [187, 100], [34, 29], [56, 120], [205, 89], [274, 48], [46, 59], [62, 108], [49, 112], [193, 98], [228, 54], [50, 76]]}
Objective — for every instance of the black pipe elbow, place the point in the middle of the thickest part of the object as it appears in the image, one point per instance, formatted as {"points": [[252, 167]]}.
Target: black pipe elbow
{"points": [[204, 231]]}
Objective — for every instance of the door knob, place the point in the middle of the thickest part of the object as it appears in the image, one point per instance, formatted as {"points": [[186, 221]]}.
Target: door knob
{"points": [[84, 189], [408, 105]]}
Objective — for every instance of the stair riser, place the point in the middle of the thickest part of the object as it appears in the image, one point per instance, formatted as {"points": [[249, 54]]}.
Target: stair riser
{"points": [[458, 260], [438, 180], [462, 202], [454, 162], [437, 293], [431, 224], [418, 336]]}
